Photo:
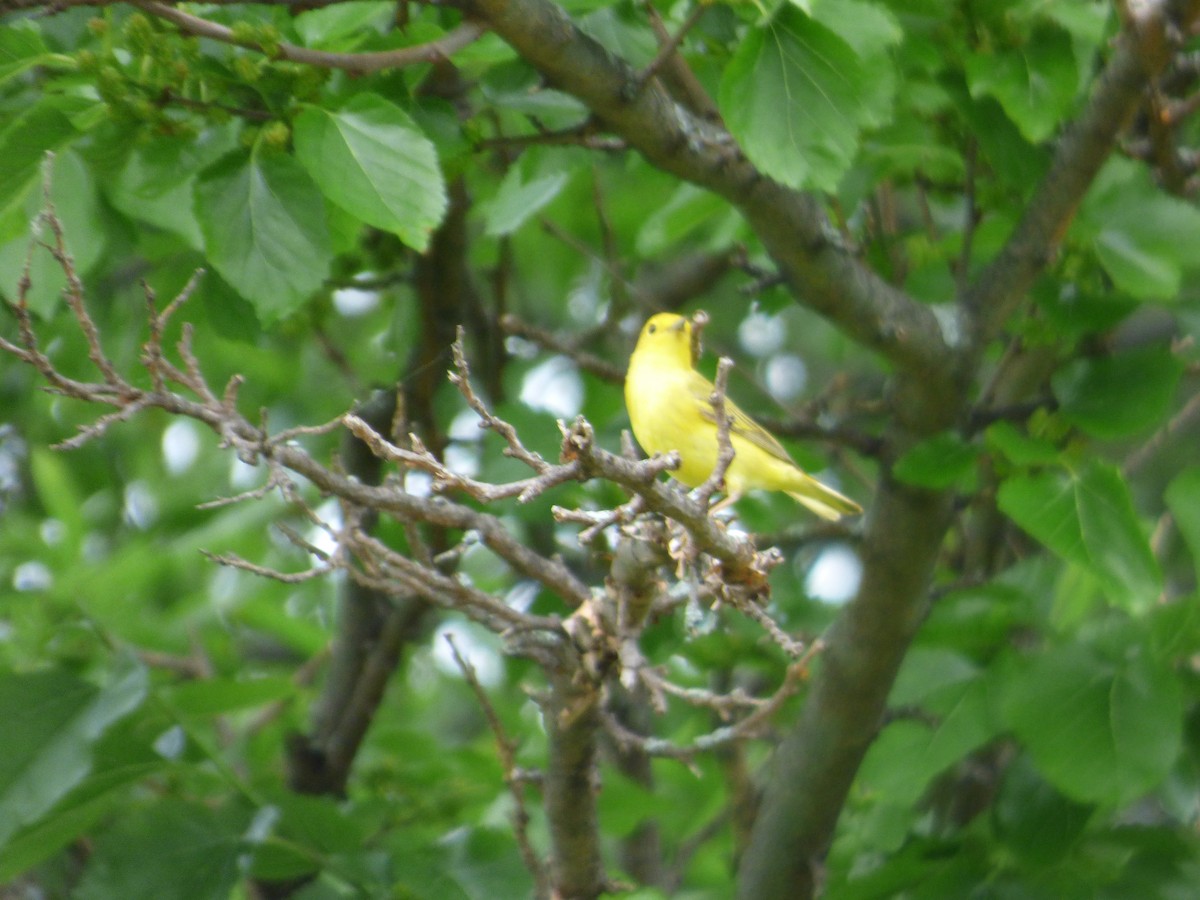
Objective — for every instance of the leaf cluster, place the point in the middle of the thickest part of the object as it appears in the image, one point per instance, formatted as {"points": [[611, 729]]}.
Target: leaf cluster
{"points": [[952, 247]]}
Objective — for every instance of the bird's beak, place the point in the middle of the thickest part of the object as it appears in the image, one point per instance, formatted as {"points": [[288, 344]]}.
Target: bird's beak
{"points": [[680, 325]]}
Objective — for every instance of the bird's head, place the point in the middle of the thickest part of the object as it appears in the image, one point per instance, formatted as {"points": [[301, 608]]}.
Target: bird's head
{"points": [[668, 335]]}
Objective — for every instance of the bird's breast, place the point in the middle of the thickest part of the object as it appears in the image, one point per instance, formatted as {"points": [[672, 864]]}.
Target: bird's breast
{"points": [[664, 417]]}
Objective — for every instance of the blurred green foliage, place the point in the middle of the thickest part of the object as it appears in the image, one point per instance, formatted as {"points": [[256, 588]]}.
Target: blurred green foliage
{"points": [[1046, 740]]}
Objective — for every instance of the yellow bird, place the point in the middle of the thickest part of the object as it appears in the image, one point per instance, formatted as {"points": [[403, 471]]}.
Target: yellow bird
{"points": [[670, 408]]}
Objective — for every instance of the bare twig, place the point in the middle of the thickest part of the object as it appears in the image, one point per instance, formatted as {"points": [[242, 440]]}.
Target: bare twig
{"points": [[74, 292], [506, 749], [598, 520], [725, 452], [668, 43], [444, 479], [611, 269], [461, 378], [236, 562], [384, 569], [790, 646], [724, 705], [586, 135], [589, 362], [751, 726], [674, 71], [579, 654]]}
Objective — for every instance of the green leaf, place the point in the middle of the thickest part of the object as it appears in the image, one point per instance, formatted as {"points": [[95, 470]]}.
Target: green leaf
{"points": [[421, 870], [21, 48], [517, 200], [23, 145], [1183, 499], [372, 160], [1033, 818], [1142, 237], [625, 804], [119, 761], [887, 770], [220, 695], [343, 26], [58, 490], [171, 850], [1120, 395], [1020, 449], [976, 619], [264, 228], [912, 753], [928, 671], [1088, 519], [796, 96], [302, 830], [910, 145], [53, 720], [687, 211], [942, 461], [621, 32], [1043, 504], [1175, 627], [157, 183], [485, 862], [1018, 162], [1117, 546], [1099, 731], [870, 29], [1035, 83], [50, 834], [78, 209]]}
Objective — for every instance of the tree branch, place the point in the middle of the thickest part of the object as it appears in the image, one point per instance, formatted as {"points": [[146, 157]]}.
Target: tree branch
{"points": [[579, 654], [570, 712], [357, 63], [822, 273], [1143, 50]]}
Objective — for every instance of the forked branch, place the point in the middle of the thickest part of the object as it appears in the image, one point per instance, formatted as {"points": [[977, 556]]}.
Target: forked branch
{"points": [[581, 653]]}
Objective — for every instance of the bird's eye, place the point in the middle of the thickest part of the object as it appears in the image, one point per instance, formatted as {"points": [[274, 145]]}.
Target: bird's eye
{"points": [[652, 329]]}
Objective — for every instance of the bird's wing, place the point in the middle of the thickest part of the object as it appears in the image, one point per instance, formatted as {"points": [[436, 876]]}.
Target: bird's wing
{"points": [[741, 424]]}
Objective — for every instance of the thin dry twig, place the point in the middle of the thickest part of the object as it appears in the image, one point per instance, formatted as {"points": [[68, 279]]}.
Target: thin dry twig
{"points": [[668, 43], [725, 705], [725, 452], [74, 292], [461, 378], [752, 726], [590, 646], [792, 647], [599, 520], [681, 80], [548, 340], [290, 434], [587, 135], [445, 479], [233, 561], [514, 777]]}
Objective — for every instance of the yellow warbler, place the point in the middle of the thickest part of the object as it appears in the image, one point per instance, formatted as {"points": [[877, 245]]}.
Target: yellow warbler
{"points": [[670, 408]]}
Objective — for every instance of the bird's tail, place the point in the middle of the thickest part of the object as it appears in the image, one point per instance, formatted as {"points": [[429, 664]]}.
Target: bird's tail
{"points": [[824, 501]]}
